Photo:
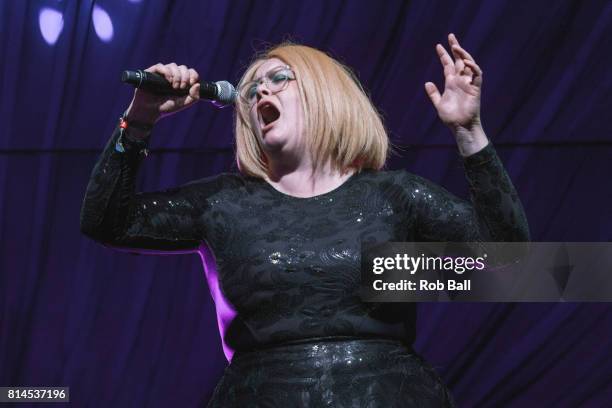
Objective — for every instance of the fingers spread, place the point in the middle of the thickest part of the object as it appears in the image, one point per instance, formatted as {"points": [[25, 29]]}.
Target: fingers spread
{"points": [[459, 66], [474, 67], [477, 78], [452, 39], [432, 92], [446, 60], [461, 53]]}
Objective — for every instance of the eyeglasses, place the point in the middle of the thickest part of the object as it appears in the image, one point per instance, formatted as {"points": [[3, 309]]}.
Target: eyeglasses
{"points": [[276, 80]]}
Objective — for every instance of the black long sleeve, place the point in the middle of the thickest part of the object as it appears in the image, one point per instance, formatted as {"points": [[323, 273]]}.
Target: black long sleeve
{"points": [[114, 214], [494, 214], [290, 267]]}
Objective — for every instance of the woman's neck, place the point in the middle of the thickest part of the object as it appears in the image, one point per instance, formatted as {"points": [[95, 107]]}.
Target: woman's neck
{"points": [[300, 180]]}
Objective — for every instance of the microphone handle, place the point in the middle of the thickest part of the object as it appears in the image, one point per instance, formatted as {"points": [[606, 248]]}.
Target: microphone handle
{"points": [[157, 84]]}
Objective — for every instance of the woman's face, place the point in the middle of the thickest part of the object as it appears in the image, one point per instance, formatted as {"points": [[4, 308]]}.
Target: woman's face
{"points": [[277, 119]]}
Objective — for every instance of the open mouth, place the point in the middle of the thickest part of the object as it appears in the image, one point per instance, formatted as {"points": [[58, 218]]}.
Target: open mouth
{"points": [[268, 113]]}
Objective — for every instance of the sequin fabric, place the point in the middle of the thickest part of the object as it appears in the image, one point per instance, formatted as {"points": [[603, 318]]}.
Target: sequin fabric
{"points": [[291, 266], [331, 372]]}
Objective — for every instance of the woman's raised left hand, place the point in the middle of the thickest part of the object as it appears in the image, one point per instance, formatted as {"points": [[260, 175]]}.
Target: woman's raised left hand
{"points": [[459, 105]]}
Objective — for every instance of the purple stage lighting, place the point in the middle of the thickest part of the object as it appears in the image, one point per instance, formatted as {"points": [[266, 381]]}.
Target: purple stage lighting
{"points": [[102, 24], [51, 23]]}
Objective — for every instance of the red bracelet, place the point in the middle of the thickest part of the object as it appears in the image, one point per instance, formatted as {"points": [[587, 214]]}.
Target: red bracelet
{"points": [[124, 124]]}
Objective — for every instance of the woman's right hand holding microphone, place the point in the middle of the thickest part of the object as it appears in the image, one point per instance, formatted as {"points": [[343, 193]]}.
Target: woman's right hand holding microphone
{"points": [[148, 108]]}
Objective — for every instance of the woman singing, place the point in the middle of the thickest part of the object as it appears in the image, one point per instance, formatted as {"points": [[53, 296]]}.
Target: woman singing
{"points": [[281, 238]]}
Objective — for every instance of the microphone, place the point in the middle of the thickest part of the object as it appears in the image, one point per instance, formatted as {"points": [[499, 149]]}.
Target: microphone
{"points": [[220, 93]]}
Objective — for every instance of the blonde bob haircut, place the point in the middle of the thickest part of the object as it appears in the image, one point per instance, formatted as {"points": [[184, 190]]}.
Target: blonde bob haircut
{"points": [[343, 126]]}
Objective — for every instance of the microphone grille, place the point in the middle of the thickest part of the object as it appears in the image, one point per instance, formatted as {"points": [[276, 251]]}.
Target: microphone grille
{"points": [[227, 93]]}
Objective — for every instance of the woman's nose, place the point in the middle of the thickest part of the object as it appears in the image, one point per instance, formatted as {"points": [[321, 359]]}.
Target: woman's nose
{"points": [[262, 89]]}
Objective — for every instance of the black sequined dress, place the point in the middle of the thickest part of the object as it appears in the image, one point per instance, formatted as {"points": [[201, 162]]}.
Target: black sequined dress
{"points": [[284, 271]]}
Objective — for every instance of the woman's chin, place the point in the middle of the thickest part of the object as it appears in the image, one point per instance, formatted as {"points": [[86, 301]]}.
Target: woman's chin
{"points": [[272, 142]]}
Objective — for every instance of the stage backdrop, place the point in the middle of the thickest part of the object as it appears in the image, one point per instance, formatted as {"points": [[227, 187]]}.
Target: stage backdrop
{"points": [[124, 330]]}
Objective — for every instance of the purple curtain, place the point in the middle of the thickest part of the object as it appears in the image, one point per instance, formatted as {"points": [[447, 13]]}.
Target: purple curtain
{"points": [[128, 330]]}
